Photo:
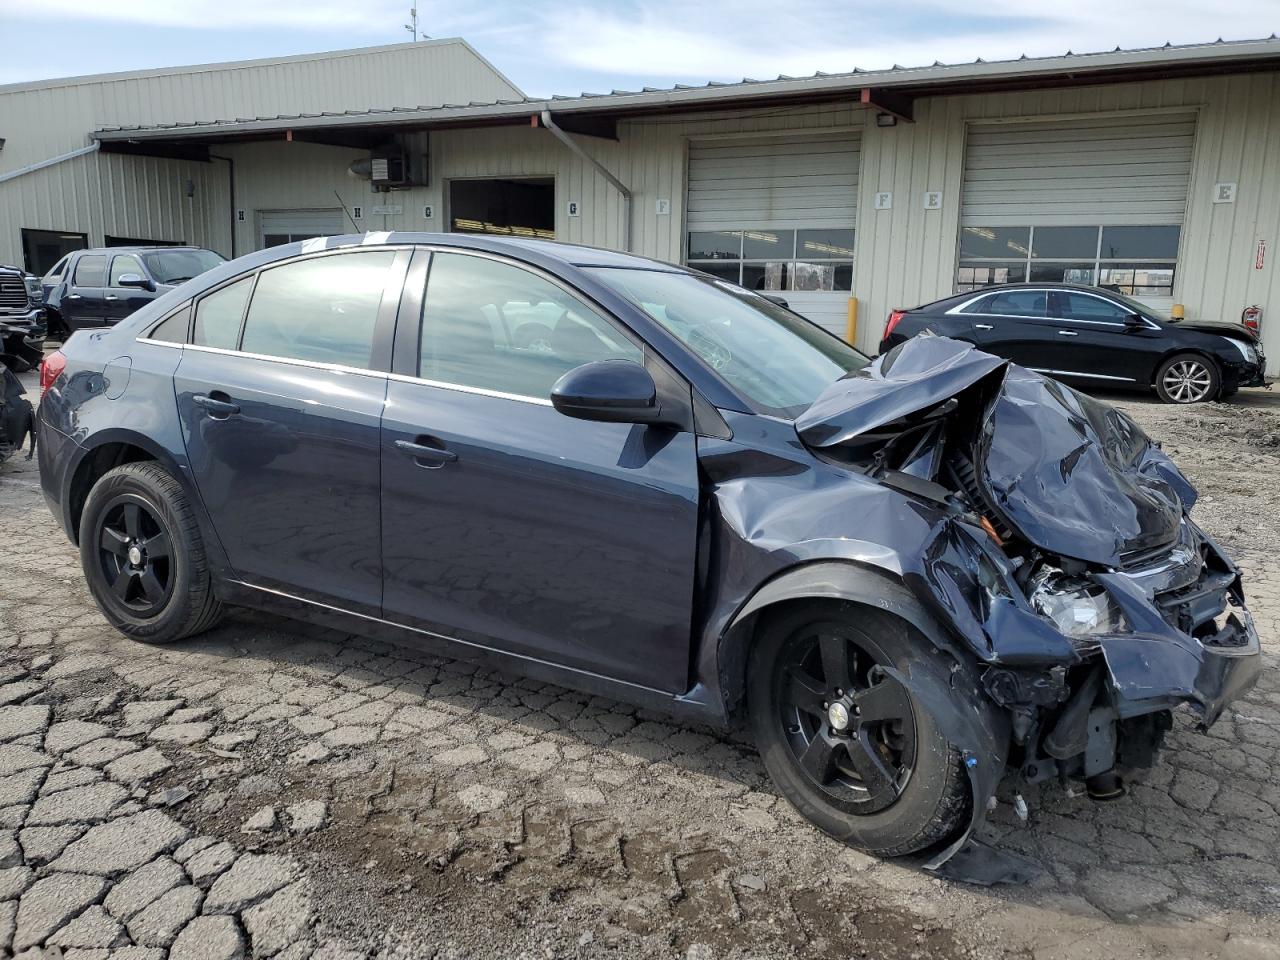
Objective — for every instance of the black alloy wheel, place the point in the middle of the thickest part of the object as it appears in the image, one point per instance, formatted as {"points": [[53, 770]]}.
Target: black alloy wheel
{"points": [[143, 555], [135, 551], [849, 725]]}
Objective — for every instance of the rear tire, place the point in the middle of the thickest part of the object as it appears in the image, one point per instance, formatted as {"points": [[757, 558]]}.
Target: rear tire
{"points": [[905, 788], [143, 557], [1188, 378]]}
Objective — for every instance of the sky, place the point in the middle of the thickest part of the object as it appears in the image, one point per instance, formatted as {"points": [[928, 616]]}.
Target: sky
{"points": [[567, 47]]}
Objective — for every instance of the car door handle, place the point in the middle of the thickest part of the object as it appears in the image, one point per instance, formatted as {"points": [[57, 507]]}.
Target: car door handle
{"points": [[983, 326], [430, 454], [1067, 333], [73, 296], [112, 296], [217, 408]]}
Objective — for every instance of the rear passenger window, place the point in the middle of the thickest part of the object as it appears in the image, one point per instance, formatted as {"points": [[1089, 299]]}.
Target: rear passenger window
{"points": [[500, 327], [91, 272], [218, 315], [1018, 303], [323, 310]]}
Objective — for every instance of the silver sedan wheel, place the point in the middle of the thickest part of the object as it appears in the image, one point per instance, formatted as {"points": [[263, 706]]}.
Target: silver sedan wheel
{"points": [[1188, 381]]}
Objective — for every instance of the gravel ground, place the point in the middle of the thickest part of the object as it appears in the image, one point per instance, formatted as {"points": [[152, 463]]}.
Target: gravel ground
{"points": [[272, 789]]}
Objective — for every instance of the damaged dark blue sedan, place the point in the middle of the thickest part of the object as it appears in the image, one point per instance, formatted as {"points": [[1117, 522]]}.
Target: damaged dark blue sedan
{"points": [[907, 576]]}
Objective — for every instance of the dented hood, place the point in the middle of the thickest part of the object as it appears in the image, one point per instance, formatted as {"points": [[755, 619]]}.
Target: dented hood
{"points": [[1075, 477]]}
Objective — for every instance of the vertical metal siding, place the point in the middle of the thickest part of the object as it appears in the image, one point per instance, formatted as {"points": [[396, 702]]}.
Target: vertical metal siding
{"points": [[137, 196], [773, 183], [1102, 170]]}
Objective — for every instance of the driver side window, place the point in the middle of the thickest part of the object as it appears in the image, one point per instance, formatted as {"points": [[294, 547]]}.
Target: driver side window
{"points": [[496, 326]]}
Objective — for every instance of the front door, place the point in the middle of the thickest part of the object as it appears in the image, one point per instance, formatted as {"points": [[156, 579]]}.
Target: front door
{"points": [[119, 301], [507, 524], [1104, 348], [83, 302], [280, 397]]}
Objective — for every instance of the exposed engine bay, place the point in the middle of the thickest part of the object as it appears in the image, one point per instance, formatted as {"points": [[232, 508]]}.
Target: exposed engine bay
{"points": [[1068, 565], [17, 418]]}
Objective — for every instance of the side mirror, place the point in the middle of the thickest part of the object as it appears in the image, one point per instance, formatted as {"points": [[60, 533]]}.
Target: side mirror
{"points": [[1134, 321], [135, 280], [608, 391]]}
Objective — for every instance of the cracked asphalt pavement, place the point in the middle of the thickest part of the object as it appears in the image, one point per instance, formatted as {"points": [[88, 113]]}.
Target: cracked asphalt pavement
{"points": [[276, 790]]}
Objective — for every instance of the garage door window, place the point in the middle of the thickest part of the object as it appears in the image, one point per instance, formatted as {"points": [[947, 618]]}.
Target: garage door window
{"points": [[1137, 260], [819, 259]]}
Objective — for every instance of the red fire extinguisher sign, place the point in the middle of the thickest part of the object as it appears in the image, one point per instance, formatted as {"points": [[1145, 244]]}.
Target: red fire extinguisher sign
{"points": [[1262, 255]]}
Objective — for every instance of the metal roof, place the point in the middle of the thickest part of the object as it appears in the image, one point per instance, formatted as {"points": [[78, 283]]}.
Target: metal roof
{"points": [[937, 79]]}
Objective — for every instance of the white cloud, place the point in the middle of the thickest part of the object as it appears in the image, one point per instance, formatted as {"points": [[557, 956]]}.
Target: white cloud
{"points": [[756, 38], [321, 15]]}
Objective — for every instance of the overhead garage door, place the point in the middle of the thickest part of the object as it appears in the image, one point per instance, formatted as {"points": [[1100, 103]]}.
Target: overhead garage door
{"points": [[285, 226], [777, 214], [1092, 201]]}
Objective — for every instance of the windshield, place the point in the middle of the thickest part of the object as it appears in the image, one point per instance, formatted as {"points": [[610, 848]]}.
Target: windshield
{"points": [[177, 266], [776, 359]]}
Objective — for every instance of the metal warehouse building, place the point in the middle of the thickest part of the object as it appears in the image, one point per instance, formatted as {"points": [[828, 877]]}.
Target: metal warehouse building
{"points": [[1155, 172]]}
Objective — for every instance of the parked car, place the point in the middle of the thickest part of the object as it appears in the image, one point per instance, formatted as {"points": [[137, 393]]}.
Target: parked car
{"points": [[22, 324], [1091, 337], [905, 575], [102, 286]]}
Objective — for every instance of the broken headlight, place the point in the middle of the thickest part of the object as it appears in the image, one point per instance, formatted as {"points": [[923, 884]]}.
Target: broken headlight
{"points": [[1078, 607]]}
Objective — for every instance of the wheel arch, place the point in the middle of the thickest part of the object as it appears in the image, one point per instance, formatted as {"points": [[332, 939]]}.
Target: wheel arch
{"points": [[823, 581], [1172, 352], [947, 682], [110, 449]]}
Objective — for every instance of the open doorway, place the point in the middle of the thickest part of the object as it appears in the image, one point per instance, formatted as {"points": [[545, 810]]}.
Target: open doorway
{"points": [[41, 249], [523, 207]]}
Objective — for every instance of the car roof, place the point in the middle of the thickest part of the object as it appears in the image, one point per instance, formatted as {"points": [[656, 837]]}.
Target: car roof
{"points": [[137, 249], [1006, 287]]}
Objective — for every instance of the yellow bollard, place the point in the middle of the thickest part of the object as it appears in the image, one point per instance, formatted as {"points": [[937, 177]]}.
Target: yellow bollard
{"points": [[1178, 311], [851, 327]]}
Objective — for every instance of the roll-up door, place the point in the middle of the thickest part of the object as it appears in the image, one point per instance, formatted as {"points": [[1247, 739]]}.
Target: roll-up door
{"points": [[1096, 200], [777, 214], [285, 226]]}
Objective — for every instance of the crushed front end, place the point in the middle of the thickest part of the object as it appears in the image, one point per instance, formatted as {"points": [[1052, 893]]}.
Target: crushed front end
{"points": [[1066, 563]]}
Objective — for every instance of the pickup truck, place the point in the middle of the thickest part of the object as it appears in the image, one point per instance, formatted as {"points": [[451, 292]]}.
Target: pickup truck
{"points": [[22, 320], [101, 286]]}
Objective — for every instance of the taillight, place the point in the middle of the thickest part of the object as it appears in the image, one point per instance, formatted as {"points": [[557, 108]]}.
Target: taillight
{"points": [[51, 368], [894, 317]]}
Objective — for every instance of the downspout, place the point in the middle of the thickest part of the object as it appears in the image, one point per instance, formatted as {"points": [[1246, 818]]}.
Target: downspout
{"points": [[231, 191], [618, 185], [51, 162]]}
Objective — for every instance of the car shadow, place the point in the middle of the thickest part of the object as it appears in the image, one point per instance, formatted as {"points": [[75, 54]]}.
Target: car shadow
{"points": [[1194, 838]]}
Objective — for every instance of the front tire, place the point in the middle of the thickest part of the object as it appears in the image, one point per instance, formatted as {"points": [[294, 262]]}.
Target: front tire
{"points": [[143, 557], [1188, 378], [887, 782]]}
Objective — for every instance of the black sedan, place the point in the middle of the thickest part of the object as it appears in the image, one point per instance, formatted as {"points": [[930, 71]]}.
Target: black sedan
{"points": [[1092, 337]]}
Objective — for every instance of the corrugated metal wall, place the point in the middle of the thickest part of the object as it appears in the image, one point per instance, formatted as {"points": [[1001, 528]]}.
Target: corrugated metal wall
{"points": [[145, 197], [907, 254]]}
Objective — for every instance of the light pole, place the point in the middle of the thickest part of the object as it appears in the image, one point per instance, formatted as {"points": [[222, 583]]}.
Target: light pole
{"points": [[412, 25]]}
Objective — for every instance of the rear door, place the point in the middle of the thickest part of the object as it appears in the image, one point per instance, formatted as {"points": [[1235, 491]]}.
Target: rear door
{"points": [[1015, 324], [510, 525], [280, 395], [83, 303], [118, 301]]}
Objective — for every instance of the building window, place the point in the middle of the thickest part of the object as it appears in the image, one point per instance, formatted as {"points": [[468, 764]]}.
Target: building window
{"points": [[1138, 261], [776, 260]]}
